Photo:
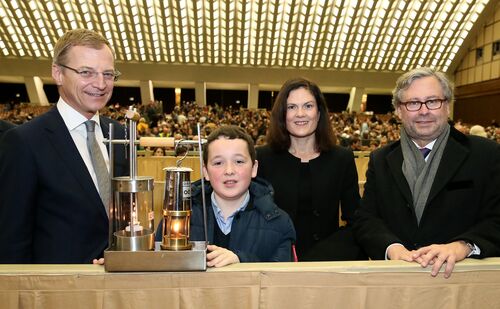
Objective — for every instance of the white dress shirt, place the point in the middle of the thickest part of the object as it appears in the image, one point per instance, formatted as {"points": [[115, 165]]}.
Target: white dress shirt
{"points": [[75, 122]]}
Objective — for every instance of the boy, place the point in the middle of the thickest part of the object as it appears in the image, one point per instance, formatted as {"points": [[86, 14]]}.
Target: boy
{"points": [[243, 223]]}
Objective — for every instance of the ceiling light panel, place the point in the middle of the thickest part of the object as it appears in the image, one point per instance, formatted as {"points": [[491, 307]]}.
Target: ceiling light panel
{"points": [[334, 35]]}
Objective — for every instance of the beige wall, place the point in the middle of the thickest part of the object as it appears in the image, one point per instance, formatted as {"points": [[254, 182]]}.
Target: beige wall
{"points": [[477, 95], [472, 70]]}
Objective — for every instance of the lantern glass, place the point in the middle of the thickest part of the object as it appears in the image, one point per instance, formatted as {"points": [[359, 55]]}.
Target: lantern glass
{"points": [[176, 209], [132, 214], [176, 231]]}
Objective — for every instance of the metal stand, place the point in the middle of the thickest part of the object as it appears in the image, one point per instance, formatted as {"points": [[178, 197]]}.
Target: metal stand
{"points": [[132, 247], [157, 260]]}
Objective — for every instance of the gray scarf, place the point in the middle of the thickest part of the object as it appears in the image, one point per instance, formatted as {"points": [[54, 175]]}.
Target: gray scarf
{"points": [[418, 173]]}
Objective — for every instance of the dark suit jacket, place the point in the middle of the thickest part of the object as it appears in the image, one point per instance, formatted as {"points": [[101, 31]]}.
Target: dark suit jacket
{"points": [[4, 126], [50, 210], [463, 204], [334, 182]]}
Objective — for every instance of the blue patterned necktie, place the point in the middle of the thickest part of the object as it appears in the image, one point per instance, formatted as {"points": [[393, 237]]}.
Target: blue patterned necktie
{"points": [[425, 151], [100, 169]]}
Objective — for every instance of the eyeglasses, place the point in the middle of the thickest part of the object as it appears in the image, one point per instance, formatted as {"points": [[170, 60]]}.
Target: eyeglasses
{"points": [[91, 74], [413, 106]]}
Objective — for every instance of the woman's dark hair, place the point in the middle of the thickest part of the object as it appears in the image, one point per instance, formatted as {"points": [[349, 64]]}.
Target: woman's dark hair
{"points": [[278, 136]]}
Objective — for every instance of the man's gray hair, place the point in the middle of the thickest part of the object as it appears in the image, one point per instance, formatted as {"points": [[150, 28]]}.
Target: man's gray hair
{"points": [[405, 81]]}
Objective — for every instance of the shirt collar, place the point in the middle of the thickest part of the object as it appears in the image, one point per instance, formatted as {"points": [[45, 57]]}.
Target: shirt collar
{"points": [[218, 211], [428, 146], [71, 117]]}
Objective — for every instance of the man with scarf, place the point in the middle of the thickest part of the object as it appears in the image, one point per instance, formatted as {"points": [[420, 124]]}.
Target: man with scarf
{"points": [[433, 197]]}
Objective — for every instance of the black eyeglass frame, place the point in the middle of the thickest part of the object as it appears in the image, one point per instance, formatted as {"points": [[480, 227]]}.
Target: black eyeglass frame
{"points": [[116, 73], [427, 102]]}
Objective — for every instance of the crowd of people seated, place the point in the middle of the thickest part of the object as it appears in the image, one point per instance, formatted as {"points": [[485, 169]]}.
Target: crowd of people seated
{"points": [[359, 131]]}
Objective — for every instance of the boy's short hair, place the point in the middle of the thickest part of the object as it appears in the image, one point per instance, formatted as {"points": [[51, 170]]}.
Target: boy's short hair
{"points": [[230, 132]]}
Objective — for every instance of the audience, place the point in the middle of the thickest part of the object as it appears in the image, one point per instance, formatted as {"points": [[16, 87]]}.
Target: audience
{"points": [[478, 131], [359, 131], [159, 152]]}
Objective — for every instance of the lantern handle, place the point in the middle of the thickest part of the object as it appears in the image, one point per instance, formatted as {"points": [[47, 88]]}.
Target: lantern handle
{"points": [[179, 161]]}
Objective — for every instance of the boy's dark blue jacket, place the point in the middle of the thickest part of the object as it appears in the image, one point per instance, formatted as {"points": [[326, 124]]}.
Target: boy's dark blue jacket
{"points": [[261, 233]]}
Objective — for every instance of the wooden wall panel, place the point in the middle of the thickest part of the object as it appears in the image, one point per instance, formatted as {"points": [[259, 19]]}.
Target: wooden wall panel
{"points": [[478, 103]]}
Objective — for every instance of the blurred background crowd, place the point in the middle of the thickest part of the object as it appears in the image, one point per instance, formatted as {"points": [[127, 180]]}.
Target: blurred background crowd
{"points": [[360, 132]]}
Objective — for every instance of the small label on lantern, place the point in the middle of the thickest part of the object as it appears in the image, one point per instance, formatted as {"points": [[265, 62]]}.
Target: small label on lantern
{"points": [[186, 189]]}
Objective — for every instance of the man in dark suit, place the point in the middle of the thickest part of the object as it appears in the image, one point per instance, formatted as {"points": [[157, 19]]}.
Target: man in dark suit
{"points": [[52, 209], [434, 208], [4, 126]]}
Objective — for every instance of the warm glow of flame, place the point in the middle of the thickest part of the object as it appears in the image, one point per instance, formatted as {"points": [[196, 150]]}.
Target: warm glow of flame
{"points": [[176, 226]]}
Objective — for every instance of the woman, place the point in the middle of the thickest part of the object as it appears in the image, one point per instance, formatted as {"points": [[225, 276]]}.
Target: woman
{"points": [[159, 152], [311, 176]]}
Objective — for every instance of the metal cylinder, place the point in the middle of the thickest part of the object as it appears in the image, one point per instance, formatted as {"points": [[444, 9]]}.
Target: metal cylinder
{"points": [[176, 208], [133, 213]]}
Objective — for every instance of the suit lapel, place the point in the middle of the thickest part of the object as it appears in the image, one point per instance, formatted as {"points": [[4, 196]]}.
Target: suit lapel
{"points": [[61, 140], [105, 129], [105, 126], [395, 161], [453, 156]]}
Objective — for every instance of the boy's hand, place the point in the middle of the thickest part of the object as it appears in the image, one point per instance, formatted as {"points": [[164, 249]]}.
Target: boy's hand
{"points": [[218, 256]]}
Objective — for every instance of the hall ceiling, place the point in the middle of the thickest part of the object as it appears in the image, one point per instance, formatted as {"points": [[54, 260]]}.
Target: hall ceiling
{"points": [[358, 36]]}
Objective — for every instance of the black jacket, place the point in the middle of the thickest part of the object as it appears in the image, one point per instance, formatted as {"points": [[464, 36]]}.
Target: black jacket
{"points": [[463, 204], [334, 185], [260, 233], [4, 126], [50, 209]]}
